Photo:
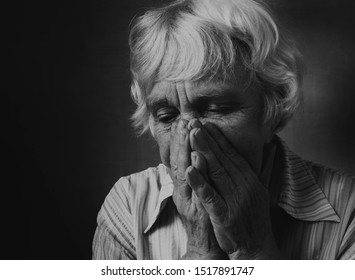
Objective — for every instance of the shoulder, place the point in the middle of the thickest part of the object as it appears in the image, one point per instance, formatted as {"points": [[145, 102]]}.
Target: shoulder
{"points": [[332, 179], [136, 192], [141, 183], [123, 212]]}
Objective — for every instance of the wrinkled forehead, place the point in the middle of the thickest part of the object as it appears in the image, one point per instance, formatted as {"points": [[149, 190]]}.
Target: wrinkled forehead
{"points": [[192, 91]]}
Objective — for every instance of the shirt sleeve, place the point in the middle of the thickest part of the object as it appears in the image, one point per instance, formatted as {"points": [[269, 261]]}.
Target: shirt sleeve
{"points": [[114, 239]]}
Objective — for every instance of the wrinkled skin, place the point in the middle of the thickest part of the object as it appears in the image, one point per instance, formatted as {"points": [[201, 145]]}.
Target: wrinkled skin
{"points": [[213, 140]]}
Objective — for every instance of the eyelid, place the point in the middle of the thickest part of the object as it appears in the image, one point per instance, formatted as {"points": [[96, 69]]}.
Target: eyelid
{"points": [[164, 110], [222, 106], [165, 114]]}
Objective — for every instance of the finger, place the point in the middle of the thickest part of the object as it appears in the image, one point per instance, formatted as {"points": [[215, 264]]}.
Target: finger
{"points": [[213, 145], [239, 170], [218, 142], [194, 123], [199, 162], [174, 148], [268, 163], [223, 155], [183, 160], [216, 172], [210, 199], [230, 160], [175, 143]]}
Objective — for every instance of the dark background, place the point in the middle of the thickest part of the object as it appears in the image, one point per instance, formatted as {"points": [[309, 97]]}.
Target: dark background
{"points": [[68, 140]]}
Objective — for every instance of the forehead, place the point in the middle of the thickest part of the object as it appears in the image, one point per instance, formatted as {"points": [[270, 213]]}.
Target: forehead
{"points": [[192, 91]]}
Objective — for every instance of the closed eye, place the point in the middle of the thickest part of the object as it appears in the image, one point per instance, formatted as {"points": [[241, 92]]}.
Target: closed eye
{"points": [[222, 109], [166, 114]]}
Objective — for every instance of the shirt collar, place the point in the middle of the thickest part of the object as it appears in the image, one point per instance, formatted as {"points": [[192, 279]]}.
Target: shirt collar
{"points": [[166, 192], [300, 195], [298, 192]]}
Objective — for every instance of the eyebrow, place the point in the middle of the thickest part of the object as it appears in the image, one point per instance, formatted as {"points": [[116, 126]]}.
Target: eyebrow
{"points": [[154, 103]]}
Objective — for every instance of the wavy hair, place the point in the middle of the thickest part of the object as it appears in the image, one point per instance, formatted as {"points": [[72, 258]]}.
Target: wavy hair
{"points": [[192, 40]]}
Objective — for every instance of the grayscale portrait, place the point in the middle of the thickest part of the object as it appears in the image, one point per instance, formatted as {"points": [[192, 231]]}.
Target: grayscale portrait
{"points": [[214, 84], [178, 129]]}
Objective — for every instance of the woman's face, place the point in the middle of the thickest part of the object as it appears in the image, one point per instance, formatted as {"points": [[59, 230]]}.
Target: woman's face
{"points": [[237, 113]]}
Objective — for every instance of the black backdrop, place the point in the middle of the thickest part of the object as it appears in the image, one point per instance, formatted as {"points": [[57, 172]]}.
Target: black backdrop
{"points": [[68, 139]]}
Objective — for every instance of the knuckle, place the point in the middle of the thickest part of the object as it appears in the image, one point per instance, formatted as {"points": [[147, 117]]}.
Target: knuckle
{"points": [[180, 176], [173, 167], [218, 172], [211, 199]]}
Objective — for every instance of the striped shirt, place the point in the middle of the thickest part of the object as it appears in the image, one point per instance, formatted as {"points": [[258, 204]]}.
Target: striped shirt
{"points": [[312, 212]]}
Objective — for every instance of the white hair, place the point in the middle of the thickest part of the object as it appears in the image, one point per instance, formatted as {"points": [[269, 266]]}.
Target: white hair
{"points": [[191, 40]]}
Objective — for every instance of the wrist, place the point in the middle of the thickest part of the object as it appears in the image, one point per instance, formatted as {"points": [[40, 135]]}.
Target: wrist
{"points": [[268, 252], [261, 255], [193, 254], [203, 247]]}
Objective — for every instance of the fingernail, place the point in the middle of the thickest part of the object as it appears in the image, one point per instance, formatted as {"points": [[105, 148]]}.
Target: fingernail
{"points": [[194, 123], [194, 158], [197, 133]]}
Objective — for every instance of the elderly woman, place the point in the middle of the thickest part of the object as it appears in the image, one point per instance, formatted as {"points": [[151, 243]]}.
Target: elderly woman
{"points": [[213, 81]]}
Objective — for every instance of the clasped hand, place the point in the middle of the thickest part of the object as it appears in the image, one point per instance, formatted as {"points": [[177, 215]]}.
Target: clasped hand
{"points": [[223, 204]]}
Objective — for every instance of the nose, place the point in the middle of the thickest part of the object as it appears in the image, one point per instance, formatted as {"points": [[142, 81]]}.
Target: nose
{"points": [[192, 120], [189, 115], [188, 121]]}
